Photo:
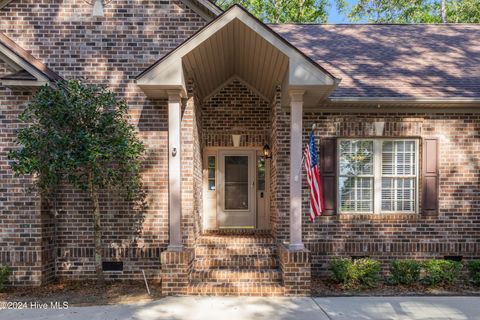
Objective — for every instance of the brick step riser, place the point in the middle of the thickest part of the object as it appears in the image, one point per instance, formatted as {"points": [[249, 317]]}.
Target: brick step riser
{"points": [[231, 241], [196, 292], [254, 265], [239, 282], [218, 253], [228, 277], [212, 289]]}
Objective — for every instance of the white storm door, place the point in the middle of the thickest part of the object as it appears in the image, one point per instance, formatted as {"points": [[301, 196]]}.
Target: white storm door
{"points": [[236, 192]]}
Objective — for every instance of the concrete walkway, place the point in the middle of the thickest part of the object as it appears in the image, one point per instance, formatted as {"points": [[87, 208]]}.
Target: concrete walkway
{"points": [[233, 308]]}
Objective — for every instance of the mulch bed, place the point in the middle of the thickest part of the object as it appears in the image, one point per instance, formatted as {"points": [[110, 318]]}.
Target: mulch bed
{"points": [[322, 287], [81, 293]]}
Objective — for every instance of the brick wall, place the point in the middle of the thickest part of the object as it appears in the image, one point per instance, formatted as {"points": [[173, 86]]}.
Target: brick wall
{"points": [[64, 36], [235, 109], [280, 183], [21, 248], [454, 231], [296, 271], [191, 168], [197, 164], [278, 167], [111, 51]]}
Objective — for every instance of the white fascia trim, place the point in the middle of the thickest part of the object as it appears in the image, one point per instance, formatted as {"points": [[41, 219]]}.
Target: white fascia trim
{"points": [[298, 63], [19, 62], [211, 7], [3, 3], [206, 12], [228, 81]]}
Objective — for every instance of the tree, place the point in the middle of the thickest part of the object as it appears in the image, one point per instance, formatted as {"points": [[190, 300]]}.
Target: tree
{"points": [[388, 11], [463, 11], [79, 134], [416, 11], [286, 11]]}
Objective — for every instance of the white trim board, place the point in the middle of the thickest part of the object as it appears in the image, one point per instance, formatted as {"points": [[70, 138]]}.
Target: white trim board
{"points": [[169, 72], [230, 80], [4, 3]]}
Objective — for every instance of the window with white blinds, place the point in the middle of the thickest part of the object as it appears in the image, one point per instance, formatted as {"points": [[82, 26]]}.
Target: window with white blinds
{"points": [[377, 175], [356, 176], [399, 173]]}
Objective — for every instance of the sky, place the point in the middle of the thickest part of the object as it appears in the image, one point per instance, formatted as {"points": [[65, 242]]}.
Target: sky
{"points": [[334, 16]]}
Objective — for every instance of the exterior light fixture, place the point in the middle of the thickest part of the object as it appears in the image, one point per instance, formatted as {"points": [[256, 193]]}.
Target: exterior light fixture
{"points": [[267, 152], [98, 9], [236, 140]]}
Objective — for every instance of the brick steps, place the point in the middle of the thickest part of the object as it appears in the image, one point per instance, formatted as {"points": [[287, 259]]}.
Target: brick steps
{"points": [[231, 240], [235, 289], [239, 262], [237, 275], [252, 250], [229, 263]]}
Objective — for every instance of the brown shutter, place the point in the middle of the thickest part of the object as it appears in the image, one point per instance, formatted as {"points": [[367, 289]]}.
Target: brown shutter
{"points": [[430, 179], [328, 174]]}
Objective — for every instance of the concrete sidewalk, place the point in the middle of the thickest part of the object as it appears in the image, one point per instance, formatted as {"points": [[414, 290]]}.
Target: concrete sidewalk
{"points": [[233, 308]]}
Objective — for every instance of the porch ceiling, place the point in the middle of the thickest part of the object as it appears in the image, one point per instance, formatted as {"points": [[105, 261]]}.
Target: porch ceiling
{"points": [[236, 50], [236, 43]]}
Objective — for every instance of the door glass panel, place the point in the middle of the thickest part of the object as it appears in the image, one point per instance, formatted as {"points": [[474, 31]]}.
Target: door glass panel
{"points": [[236, 183]]}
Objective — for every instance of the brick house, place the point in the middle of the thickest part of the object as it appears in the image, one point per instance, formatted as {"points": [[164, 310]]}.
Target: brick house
{"points": [[396, 123]]}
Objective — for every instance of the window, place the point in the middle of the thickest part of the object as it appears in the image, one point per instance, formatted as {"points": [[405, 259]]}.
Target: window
{"points": [[211, 173], [261, 173], [399, 175], [377, 175], [356, 176]]}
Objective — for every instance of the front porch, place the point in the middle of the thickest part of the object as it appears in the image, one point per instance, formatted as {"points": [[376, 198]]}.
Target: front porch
{"points": [[239, 247], [232, 89]]}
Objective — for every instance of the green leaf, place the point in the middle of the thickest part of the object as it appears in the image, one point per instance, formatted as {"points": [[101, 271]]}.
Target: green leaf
{"points": [[75, 128]]}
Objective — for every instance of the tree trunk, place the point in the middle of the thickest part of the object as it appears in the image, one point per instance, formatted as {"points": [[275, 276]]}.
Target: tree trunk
{"points": [[444, 11], [97, 229]]}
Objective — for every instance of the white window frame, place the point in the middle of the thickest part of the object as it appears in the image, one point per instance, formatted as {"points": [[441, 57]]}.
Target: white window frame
{"points": [[377, 175]]}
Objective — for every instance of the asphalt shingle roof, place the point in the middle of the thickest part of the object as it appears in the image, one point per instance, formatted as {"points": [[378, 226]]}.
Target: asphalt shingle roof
{"points": [[402, 61]]}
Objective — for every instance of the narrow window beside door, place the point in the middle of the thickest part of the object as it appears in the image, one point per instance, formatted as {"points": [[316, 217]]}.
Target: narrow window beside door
{"points": [[211, 173], [261, 173]]}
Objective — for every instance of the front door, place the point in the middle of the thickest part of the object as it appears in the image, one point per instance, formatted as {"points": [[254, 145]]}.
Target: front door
{"points": [[236, 196]]}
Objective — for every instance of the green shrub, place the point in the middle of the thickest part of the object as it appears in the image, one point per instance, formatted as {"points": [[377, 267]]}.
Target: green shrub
{"points": [[361, 273], [339, 268], [441, 272], [364, 273], [405, 272], [474, 271], [5, 272]]}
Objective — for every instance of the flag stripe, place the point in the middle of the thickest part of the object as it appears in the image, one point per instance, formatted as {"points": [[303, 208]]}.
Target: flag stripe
{"points": [[313, 178]]}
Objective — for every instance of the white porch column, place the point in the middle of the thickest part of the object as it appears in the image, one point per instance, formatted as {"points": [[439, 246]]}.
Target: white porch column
{"points": [[296, 150], [174, 174]]}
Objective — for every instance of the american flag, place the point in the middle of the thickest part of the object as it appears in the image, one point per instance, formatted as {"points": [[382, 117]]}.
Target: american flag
{"points": [[313, 178]]}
